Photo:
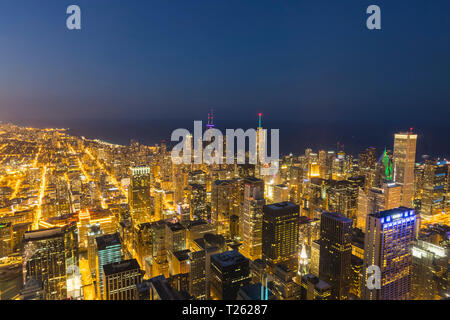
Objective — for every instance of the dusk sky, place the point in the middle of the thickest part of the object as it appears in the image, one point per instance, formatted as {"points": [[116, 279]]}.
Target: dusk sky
{"points": [[293, 60]]}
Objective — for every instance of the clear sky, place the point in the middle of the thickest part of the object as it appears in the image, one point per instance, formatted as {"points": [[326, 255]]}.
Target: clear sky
{"points": [[294, 60]]}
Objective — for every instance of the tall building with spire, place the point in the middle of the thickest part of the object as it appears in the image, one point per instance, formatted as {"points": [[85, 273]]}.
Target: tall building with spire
{"points": [[404, 159], [260, 145]]}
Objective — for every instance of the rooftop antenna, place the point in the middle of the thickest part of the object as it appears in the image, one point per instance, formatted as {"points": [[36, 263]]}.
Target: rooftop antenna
{"points": [[259, 120], [210, 119]]}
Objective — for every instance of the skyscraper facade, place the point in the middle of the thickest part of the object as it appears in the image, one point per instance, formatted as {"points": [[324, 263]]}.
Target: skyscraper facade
{"points": [[335, 253], [387, 244], [139, 195], [404, 159], [252, 216], [280, 234], [51, 256]]}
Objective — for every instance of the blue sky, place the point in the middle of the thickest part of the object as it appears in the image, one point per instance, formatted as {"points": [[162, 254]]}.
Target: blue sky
{"points": [[293, 60]]}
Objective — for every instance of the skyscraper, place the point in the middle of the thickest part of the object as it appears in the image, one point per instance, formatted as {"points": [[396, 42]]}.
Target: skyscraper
{"points": [[434, 195], [120, 280], [335, 253], [51, 256], [230, 271], [404, 159], [252, 215], [221, 205], [387, 244], [280, 232], [109, 250], [139, 195]]}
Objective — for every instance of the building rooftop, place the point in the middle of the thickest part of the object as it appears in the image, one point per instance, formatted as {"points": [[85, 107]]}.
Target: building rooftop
{"points": [[107, 240], [393, 213], [175, 226], [228, 258], [280, 207], [338, 216], [182, 255], [42, 234], [119, 267]]}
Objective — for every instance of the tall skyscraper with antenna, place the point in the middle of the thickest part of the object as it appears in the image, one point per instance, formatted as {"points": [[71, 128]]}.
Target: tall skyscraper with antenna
{"points": [[260, 145]]}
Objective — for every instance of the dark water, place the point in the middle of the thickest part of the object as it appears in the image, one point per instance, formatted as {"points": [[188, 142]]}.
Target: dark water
{"points": [[294, 137]]}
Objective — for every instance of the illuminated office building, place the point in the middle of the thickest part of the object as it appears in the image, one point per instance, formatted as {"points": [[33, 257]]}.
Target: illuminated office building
{"points": [[429, 265], [93, 232], [229, 272], [222, 205], [284, 287], [315, 258], [257, 271], [197, 202], [197, 229], [343, 196], [184, 213], [178, 262], [197, 274], [377, 199], [139, 195], [280, 193], [121, 279], [159, 262], [314, 288], [109, 250], [309, 230], [404, 159], [435, 187], [51, 256], [175, 237], [388, 243], [234, 227], [280, 234], [143, 243], [252, 214], [335, 253], [6, 239]]}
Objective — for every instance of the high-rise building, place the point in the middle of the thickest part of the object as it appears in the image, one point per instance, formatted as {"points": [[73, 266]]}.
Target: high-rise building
{"points": [[139, 195], [335, 253], [175, 237], [314, 288], [434, 195], [159, 260], [109, 250], [6, 239], [280, 193], [230, 271], [222, 205], [429, 263], [388, 243], [404, 159], [51, 256], [252, 216], [197, 274], [197, 201], [377, 199], [284, 287], [93, 232], [120, 280], [280, 234]]}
